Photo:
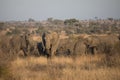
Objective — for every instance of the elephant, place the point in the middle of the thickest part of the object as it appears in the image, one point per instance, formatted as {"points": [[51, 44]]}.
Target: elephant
{"points": [[71, 47], [22, 43], [18, 43], [40, 49], [65, 47], [91, 44], [108, 43], [100, 44], [63, 52], [50, 42], [32, 46], [79, 47]]}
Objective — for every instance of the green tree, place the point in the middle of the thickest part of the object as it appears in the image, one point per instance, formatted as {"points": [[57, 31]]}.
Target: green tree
{"points": [[31, 20], [71, 21]]}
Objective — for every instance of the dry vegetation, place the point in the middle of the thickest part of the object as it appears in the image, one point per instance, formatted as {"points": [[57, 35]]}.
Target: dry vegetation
{"points": [[100, 66], [66, 68]]}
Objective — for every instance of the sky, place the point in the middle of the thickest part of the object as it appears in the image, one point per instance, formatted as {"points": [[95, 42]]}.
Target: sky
{"points": [[58, 9]]}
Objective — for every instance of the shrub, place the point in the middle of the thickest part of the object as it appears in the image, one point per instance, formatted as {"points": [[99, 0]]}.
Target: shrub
{"points": [[70, 21], [116, 48]]}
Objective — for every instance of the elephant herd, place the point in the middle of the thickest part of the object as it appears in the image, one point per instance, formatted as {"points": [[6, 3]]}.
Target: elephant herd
{"points": [[23, 43], [93, 44], [52, 45]]}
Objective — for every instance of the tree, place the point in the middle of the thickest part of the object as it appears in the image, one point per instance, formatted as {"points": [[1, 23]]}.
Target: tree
{"points": [[50, 19], [110, 19], [71, 21], [1, 25], [31, 20]]}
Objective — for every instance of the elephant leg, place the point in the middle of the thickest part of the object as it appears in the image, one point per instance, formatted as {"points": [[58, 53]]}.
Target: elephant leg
{"points": [[95, 50], [36, 52], [53, 51], [87, 49], [47, 52], [40, 49], [92, 50], [25, 52]]}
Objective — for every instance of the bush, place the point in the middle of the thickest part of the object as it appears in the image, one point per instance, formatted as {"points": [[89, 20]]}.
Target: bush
{"points": [[117, 48], [70, 21], [1, 25]]}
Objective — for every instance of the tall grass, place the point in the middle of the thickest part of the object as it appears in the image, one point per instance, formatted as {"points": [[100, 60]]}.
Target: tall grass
{"points": [[64, 68], [5, 64]]}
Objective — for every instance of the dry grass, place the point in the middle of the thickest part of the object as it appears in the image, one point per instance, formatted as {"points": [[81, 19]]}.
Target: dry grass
{"points": [[64, 68]]}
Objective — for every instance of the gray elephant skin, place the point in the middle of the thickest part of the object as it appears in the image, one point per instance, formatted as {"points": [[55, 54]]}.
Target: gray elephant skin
{"points": [[22, 43], [50, 42]]}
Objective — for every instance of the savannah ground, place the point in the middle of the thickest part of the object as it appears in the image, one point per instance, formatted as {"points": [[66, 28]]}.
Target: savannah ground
{"points": [[89, 67]]}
